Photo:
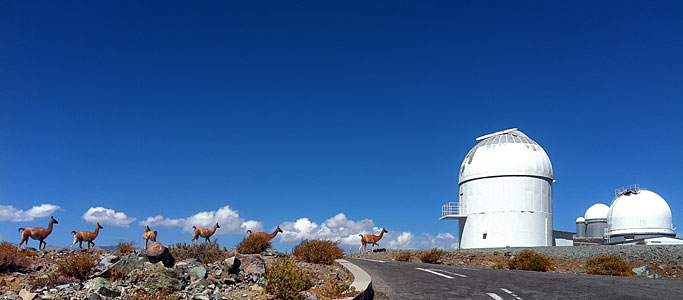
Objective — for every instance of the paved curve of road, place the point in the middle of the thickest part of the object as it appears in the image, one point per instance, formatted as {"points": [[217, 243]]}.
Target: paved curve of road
{"points": [[401, 280]]}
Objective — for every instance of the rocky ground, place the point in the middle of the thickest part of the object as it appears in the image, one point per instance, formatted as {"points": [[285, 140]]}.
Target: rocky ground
{"points": [[133, 276], [647, 260]]}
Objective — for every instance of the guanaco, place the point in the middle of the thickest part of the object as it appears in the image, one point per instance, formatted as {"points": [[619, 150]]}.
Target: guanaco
{"points": [[267, 236], [149, 235], [84, 236], [36, 233], [371, 239], [204, 232]]}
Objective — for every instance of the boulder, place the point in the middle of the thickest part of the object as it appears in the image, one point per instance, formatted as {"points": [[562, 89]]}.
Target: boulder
{"points": [[102, 287], [159, 253], [253, 263], [645, 271], [154, 277], [197, 273], [232, 265], [26, 295]]}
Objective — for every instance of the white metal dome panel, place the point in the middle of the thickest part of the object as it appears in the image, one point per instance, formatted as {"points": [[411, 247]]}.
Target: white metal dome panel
{"points": [[639, 212], [509, 152], [597, 211]]}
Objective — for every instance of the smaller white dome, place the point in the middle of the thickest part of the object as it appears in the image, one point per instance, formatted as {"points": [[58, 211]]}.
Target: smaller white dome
{"points": [[597, 211], [639, 212], [580, 219]]}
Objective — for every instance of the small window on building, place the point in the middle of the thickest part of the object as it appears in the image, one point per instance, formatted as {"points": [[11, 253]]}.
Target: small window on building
{"points": [[484, 236]]}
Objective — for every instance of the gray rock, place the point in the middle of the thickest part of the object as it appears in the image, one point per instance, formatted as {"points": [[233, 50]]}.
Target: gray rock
{"points": [[253, 263], [645, 271], [201, 297], [196, 273], [312, 297], [231, 265], [155, 277], [101, 286]]}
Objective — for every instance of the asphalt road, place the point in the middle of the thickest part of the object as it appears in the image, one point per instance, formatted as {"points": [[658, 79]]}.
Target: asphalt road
{"points": [[402, 280]]}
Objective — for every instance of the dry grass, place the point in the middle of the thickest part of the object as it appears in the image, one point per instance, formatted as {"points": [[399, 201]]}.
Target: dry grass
{"points": [[287, 281], [204, 252], [13, 259], [318, 252], [125, 248], [432, 256], [608, 265], [254, 244], [335, 289], [403, 255], [157, 295], [530, 261], [77, 265]]}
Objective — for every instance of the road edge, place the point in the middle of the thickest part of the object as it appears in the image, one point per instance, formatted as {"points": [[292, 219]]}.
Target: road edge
{"points": [[361, 281]]}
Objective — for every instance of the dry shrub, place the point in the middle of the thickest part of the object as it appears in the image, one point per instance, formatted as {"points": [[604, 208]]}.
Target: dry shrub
{"points": [[530, 261], [157, 295], [116, 274], [608, 265], [13, 259], [403, 256], [77, 265], [432, 256], [204, 252], [286, 281], [253, 244], [335, 289], [318, 251], [49, 281], [125, 248], [641, 243], [499, 266]]}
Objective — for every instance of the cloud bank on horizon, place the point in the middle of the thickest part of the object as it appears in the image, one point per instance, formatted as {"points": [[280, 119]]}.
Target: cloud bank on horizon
{"points": [[12, 214], [229, 220]]}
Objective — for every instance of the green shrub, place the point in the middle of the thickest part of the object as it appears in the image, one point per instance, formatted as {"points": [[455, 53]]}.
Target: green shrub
{"points": [[432, 256], [204, 252], [13, 259], [78, 265], [608, 265], [403, 256], [318, 252], [530, 261], [286, 281], [253, 245]]}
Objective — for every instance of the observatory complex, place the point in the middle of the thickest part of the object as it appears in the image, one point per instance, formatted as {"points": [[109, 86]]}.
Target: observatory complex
{"points": [[506, 200], [505, 193], [635, 216]]}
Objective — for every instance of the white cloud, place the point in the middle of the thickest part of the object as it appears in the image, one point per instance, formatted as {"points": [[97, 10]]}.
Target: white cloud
{"points": [[10, 213], [162, 221], [107, 216], [229, 220], [345, 231]]}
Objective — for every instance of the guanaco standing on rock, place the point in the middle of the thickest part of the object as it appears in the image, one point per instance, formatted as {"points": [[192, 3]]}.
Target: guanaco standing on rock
{"points": [[36, 233], [84, 236], [204, 232], [149, 235]]}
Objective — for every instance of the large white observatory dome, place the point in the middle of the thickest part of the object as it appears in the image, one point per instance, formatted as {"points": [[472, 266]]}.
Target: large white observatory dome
{"points": [[504, 153], [505, 193], [639, 211], [597, 211]]}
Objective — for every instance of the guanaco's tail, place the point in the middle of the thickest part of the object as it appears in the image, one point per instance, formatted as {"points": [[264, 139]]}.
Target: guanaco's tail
{"points": [[73, 231], [21, 229], [155, 232]]}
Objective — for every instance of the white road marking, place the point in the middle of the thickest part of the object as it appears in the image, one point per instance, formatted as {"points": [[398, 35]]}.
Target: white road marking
{"points": [[494, 296], [435, 273], [456, 274], [511, 293], [379, 261]]}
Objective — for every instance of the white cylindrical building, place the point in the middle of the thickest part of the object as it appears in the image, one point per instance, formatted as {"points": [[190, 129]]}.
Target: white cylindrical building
{"points": [[596, 221], [580, 228], [506, 193], [637, 214]]}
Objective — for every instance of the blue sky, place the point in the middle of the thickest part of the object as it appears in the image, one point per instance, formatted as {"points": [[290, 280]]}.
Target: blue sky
{"points": [[265, 113]]}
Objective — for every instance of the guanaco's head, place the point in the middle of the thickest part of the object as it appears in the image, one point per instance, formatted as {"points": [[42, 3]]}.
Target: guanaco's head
{"points": [[147, 228], [360, 235], [99, 226], [53, 220], [249, 231], [218, 226], [278, 229], [194, 227], [384, 230]]}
